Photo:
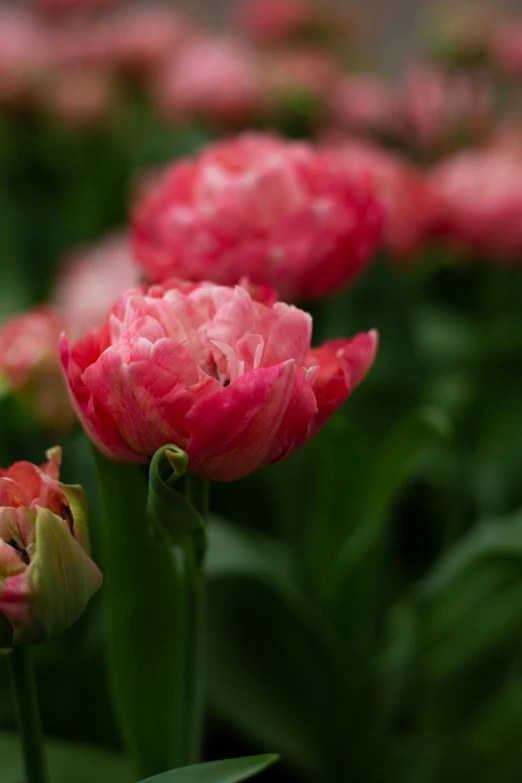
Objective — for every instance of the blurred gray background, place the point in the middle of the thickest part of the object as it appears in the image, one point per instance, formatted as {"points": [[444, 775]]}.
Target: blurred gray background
{"points": [[393, 28]]}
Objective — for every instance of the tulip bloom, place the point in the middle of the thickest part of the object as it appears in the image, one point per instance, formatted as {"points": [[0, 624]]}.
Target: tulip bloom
{"points": [[30, 366], [284, 214], [225, 373], [46, 575], [91, 279], [412, 209], [481, 196], [214, 79]]}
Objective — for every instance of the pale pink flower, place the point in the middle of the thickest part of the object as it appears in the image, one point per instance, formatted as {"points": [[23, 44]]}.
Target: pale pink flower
{"points": [[364, 104], [440, 111], [23, 53], [481, 193], [91, 279], [216, 79]]}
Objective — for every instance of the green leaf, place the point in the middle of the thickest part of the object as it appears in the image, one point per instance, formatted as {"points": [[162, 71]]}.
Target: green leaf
{"points": [[229, 771], [67, 762], [453, 644], [279, 681], [399, 456], [143, 596]]}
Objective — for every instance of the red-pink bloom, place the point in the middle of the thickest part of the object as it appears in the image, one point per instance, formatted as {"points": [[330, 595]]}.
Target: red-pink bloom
{"points": [[412, 210], [220, 372], [46, 575], [481, 193], [91, 279], [30, 365], [364, 104], [440, 111], [216, 79], [284, 214]]}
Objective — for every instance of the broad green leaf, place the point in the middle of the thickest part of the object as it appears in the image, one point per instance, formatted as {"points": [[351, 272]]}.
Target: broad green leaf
{"points": [[279, 681], [67, 762], [143, 594], [453, 645], [229, 771], [352, 579]]}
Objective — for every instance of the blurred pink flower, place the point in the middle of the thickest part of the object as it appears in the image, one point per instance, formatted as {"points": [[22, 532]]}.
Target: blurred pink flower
{"points": [[30, 366], [412, 209], [80, 96], [294, 21], [216, 79], [61, 6], [302, 71], [365, 104], [91, 280], [481, 195], [275, 20], [23, 53], [506, 47], [440, 111], [282, 213], [46, 574], [142, 37], [213, 370]]}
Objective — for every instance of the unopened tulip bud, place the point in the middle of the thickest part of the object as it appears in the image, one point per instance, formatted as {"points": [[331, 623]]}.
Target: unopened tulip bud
{"points": [[46, 574], [30, 366]]}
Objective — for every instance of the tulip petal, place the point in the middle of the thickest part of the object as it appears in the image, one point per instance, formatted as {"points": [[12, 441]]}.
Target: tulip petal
{"points": [[237, 431], [57, 585]]}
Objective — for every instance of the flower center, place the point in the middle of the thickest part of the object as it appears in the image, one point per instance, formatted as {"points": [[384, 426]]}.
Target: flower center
{"points": [[24, 555]]}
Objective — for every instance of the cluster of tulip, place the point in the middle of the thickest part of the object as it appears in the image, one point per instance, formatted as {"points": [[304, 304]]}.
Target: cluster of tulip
{"points": [[179, 345]]}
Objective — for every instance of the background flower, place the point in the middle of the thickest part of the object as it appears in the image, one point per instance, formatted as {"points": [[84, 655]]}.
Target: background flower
{"points": [[283, 214]]}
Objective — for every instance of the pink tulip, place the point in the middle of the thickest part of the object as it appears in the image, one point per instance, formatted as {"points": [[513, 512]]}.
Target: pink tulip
{"points": [[438, 110], [227, 374], [481, 195], [46, 575], [90, 281], [364, 103], [506, 47], [214, 79], [282, 213], [412, 208], [30, 366], [275, 20]]}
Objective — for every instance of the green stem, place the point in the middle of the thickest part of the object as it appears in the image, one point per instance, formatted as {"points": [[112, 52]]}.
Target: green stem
{"points": [[26, 700], [197, 491]]}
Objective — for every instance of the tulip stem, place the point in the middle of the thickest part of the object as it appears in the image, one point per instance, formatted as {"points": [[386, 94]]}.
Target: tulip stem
{"points": [[26, 701], [197, 491]]}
